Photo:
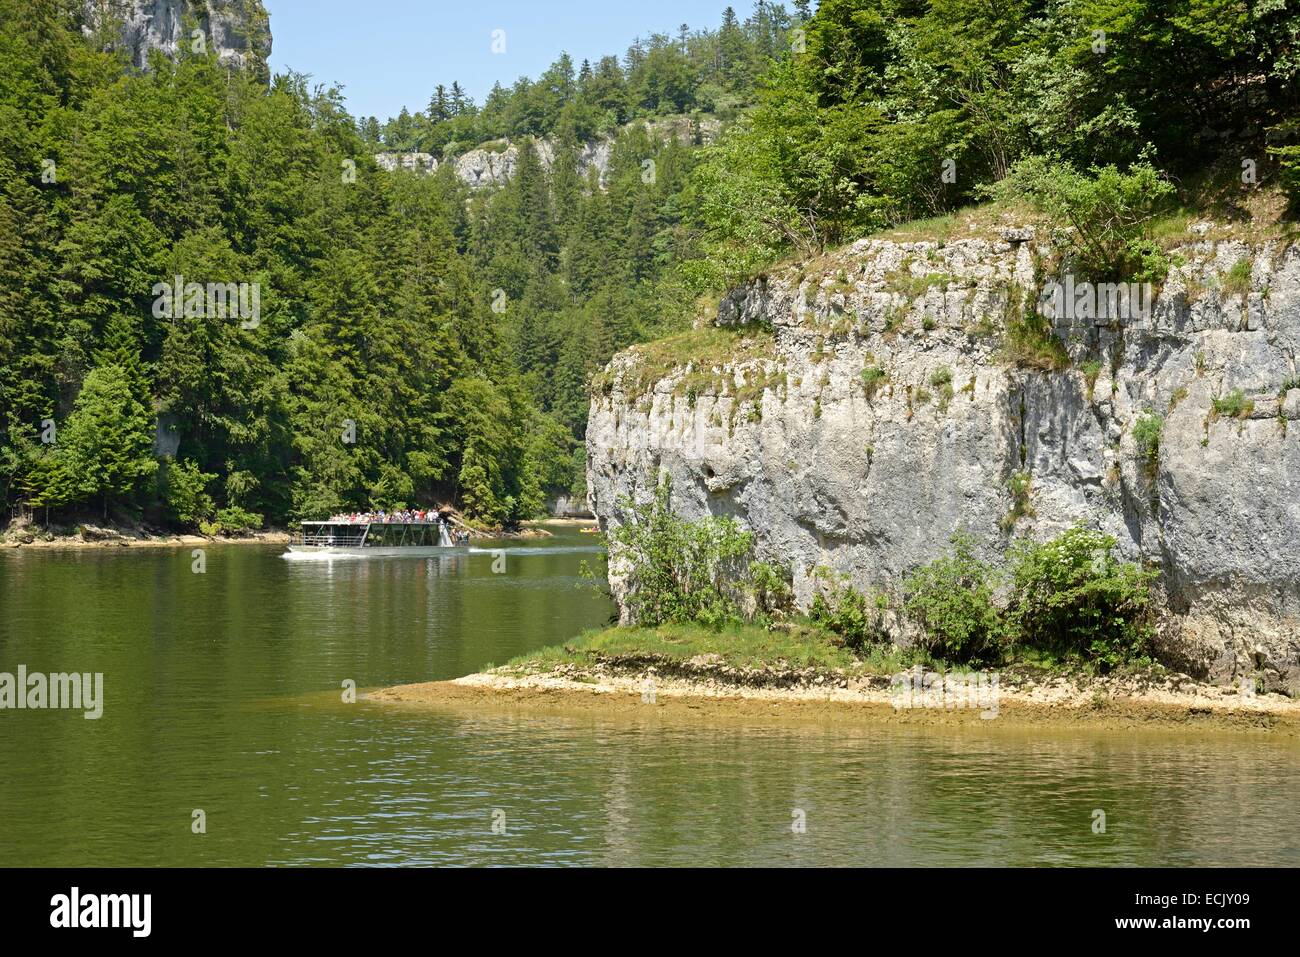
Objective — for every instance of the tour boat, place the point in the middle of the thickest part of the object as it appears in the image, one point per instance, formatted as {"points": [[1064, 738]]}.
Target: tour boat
{"points": [[373, 539]]}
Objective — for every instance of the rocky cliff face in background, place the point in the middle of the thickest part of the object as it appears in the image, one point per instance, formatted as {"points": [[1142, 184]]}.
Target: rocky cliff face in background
{"points": [[771, 420], [239, 31], [495, 164]]}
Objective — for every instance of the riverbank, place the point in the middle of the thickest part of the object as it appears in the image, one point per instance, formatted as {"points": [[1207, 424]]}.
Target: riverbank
{"points": [[668, 672], [93, 536], [90, 536], [113, 538]]}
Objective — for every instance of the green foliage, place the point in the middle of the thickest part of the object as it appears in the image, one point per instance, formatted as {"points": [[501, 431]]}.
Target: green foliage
{"points": [[951, 599], [900, 112], [498, 478], [1288, 160], [236, 521], [185, 492], [913, 285], [710, 71], [380, 314], [873, 377], [1021, 487], [1073, 596], [783, 178], [799, 646], [1069, 598], [1110, 212], [1146, 436], [941, 380], [1236, 281], [403, 305], [845, 611], [773, 594], [679, 571], [1030, 342], [1091, 370], [1234, 405], [103, 454]]}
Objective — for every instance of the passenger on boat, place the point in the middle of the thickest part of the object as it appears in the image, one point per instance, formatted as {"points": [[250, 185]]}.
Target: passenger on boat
{"points": [[382, 517]]}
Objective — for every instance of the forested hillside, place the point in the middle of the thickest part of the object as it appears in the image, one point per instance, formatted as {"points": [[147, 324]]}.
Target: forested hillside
{"points": [[905, 109], [708, 71], [409, 344], [412, 343]]}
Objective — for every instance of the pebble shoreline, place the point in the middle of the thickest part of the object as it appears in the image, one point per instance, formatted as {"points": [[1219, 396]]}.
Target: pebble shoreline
{"points": [[707, 689]]}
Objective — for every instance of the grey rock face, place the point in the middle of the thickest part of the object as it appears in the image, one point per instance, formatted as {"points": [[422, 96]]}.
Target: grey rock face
{"points": [[239, 31], [786, 436], [411, 162], [495, 164]]}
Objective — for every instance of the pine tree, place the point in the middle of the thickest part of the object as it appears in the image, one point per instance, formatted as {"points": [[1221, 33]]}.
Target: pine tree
{"points": [[461, 103], [440, 105], [106, 447]]}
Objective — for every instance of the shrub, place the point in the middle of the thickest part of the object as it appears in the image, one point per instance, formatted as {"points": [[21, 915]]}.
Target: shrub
{"points": [[232, 521], [1021, 487], [941, 379], [770, 585], [873, 377], [845, 611], [1073, 596], [1110, 210], [1288, 160], [1031, 343], [1147, 262], [1146, 435], [1091, 370], [1234, 405], [185, 492], [951, 599], [681, 571]]}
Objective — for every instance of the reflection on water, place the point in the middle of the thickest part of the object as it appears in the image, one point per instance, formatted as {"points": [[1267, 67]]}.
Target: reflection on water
{"points": [[583, 791], [223, 693]]}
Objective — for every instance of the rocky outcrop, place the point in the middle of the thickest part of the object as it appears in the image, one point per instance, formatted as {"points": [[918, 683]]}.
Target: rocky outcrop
{"points": [[857, 411], [564, 505], [494, 164], [238, 31]]}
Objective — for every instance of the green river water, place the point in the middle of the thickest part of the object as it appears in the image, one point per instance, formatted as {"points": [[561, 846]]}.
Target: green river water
{"points": [[222, 692]]}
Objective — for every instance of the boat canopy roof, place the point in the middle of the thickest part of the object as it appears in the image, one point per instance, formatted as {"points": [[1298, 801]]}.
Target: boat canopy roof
{"points": [[343, 524]]}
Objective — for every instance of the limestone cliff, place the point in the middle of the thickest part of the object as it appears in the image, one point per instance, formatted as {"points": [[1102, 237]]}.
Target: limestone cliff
{"points": [[494, 164], [856, 411], [239, 31]]}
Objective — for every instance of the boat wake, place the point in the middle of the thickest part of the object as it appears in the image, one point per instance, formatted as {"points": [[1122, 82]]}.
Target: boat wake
{"points": [[542, 550], [321, 557]]}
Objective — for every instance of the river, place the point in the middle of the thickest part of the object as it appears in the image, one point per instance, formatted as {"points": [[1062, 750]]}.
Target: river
{"points": [[223, 704]]}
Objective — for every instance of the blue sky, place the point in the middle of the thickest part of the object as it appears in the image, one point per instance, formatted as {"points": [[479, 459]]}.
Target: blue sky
{"points": [[392, 53]]}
